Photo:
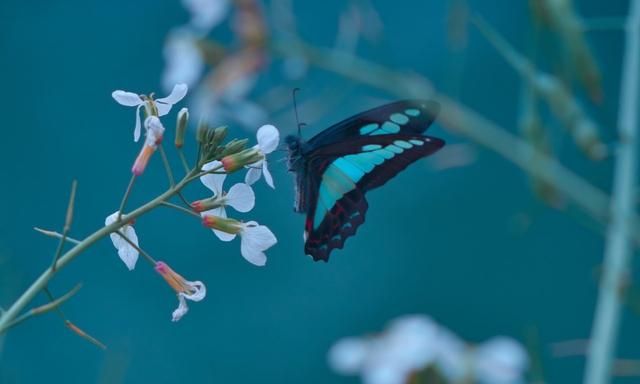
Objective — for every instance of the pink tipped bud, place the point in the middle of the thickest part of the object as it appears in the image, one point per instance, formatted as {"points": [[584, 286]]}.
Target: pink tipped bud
{"points": [[177, 282], [207, 204], [223, 224], [142, 160], [232, 163]]}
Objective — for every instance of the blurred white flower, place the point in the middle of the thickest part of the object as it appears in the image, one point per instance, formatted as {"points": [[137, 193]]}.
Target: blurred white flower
{"points": [[240, 197], [254, 240], [128, 254], [413, 343], [500, 360], [186, 290], [268, 139], [409, 344], [183, 60], [163, 105], [206, 14]]}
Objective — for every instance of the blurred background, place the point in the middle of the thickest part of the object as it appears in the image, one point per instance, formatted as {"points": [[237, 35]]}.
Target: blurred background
{"points": [[464, 236]]}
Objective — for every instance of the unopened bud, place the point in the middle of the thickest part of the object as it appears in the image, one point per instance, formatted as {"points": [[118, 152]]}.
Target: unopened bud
{"points": [[219, 135], [202, 132], [181, 127], [223, 224], [207, 204], [238, 160], [234, 146]]}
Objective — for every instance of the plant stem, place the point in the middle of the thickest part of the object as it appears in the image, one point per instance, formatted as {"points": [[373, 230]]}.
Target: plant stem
{"points": [[183, 160], [54, 304], [181, 209], [126, 196], [167, 166], [147, 256], [67, 223], [619, 247], [42, 281]]}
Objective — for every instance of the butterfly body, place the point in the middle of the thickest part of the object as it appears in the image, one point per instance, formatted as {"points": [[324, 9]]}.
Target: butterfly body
{"points": [[335, 168]]}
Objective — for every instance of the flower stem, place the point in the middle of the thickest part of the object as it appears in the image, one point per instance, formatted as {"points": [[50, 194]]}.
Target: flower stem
{"points": [[126, 196], [619, 246], [181, 209], [147, 256], [183, 160], [167, 166]]}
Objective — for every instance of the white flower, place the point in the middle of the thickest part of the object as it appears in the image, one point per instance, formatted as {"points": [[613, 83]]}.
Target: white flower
{"points": [[268, 138], [199, 292], [240, 197], [500, 360], [206, 14], [254, 240], [126, 251], [186, 290], [184, 63], [164, 104]]}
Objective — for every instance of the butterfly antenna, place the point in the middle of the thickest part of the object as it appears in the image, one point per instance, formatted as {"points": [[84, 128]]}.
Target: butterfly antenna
{"points": [[295, 108]]}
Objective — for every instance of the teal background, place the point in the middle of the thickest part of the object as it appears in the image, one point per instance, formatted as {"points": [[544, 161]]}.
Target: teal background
{"points": [[471, 246]]}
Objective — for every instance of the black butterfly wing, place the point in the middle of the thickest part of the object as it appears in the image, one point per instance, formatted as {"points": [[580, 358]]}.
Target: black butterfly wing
{"points": [[406, 116], [338, 176]]}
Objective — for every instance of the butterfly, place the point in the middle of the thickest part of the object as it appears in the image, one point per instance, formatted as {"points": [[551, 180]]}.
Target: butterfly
{"points": [[334, 169]]}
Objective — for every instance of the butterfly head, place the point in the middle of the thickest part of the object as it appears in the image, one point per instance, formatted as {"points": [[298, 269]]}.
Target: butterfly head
{"points": [[294, 146]]}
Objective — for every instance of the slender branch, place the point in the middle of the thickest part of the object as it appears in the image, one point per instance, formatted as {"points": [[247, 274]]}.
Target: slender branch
{"points": [[181, 209], [43, 308], [167, 166], [56, 235], [463, 121], [126, 196], [67, 224], [147, 256], [619, 247], [72, 326], [183, 160]]}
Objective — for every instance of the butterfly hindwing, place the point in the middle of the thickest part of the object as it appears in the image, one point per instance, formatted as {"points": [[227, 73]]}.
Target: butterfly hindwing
{"points": [[338, 192]]}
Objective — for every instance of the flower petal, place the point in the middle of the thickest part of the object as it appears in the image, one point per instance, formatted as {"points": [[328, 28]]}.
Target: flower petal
{"points": [[267, 175], [268, 138], [136, 130], [181, 310], [199, 291], [241, 198], [163, 108], [213, 181], [220, 212], [254, 240], [178, 92], [127, 253], [128, 99], [253, 175]]}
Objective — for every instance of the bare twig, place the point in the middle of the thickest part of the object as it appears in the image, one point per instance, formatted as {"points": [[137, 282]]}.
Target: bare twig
{"points": [[44, 308], [619, 247], [67, 224], [56, 235]]}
